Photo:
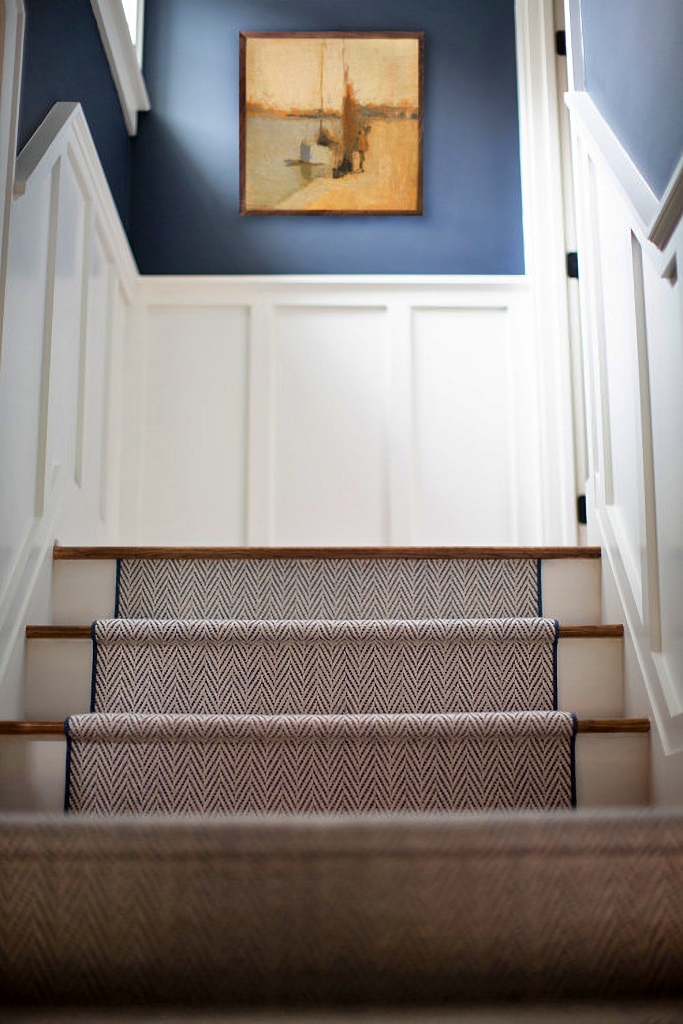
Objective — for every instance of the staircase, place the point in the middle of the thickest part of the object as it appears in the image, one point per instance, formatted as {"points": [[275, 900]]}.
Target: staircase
{"points": [[612, 752], [350, 908]]}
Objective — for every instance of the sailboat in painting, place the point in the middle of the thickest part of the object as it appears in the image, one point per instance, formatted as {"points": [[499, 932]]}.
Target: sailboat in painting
{"points": [[325, 138], [351, 140]]}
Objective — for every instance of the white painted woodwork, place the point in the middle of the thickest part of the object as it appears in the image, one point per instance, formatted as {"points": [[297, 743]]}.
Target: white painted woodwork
{"points": [[58, 679], [612, 770], [345, 411], [632, 320], [195, 421], [12, 16], [545, 246], [570, 591], [83, 591], [32, 773], [59, 676], [464, 374], [329, 425], [590, 676], [70, 281]]}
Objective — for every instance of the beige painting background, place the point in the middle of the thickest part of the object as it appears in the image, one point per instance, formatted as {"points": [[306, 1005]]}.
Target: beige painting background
{"points": [[289, 80], [285, 73]]}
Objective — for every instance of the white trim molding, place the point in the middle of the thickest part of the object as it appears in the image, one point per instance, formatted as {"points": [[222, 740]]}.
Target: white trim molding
{"points": [[71, 286], [670, 210], [65, 125], [123, 60], [630, 244], [613, 155], [657, 218], [12, 19], [544, 253]]}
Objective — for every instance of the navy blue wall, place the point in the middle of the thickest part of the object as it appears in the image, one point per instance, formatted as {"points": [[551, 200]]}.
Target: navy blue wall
{"points": [[184, 206], [633, 56], [64, 60]]}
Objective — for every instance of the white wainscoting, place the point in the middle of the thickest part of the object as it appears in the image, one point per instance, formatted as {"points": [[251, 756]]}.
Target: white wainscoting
{"points": [[70, 280], [334, 411], [632, 319]]}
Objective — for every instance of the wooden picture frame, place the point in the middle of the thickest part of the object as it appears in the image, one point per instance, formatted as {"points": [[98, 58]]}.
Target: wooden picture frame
{"points": [[331, 123]]}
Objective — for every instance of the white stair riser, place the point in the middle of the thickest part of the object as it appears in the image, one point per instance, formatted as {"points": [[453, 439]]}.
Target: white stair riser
{"points": [[571, 590], [85, 590], [612, 770], [58, 677]]}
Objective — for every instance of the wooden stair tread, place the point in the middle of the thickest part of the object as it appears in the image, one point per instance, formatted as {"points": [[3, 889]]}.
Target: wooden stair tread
{"points": [[585, 725], [95, 552], [84, 632]]}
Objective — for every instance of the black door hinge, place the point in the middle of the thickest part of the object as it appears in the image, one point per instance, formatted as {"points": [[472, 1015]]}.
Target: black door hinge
{"points": [[573, 264], [561, 43], [581, 513]]}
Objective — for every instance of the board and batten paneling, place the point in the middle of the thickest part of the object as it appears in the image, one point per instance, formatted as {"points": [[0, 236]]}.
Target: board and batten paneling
{"points": [[330, 429], [70, 281], [468, 408], [632, 320], [194, 478], [336, 411]]}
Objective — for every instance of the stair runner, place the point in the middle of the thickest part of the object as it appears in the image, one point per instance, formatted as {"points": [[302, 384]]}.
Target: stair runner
{"points": [[325, 686]]}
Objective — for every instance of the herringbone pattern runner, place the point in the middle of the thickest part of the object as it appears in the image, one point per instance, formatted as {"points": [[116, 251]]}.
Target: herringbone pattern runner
{"points": [[335, 588], [329, 764], [318, 667], [428, 910]]}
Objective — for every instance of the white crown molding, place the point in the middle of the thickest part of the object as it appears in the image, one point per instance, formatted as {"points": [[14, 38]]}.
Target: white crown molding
{"points": [[123, 62]]}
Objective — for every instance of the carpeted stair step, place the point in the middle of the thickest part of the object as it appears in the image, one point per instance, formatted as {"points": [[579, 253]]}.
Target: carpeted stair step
{"points": [[319, 764], [317, 667], [411, 582], [59, 672], [612, 763], [422, 911]]}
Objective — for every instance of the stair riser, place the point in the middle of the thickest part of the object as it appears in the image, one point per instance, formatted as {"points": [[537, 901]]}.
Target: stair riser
{"points": [[58, 677], [611, 771], [84, 590]]}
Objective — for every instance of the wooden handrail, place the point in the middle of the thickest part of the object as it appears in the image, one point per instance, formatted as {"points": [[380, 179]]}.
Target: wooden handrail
{"points": [[604, 725], [84, 632], [323, 552]]}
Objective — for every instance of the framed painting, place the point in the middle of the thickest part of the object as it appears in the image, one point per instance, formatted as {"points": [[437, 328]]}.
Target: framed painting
{"points": [[331, 123]]}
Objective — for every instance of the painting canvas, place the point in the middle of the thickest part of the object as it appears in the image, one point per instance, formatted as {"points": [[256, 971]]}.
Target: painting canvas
{"points": [[331, 123]]}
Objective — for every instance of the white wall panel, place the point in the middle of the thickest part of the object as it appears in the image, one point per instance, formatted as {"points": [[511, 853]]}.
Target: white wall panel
{"points": [[329, 426], [65, 325], [66, 251], [20, 375], [632, 317], [98, 315], [464, 465], [195, 426], [390, 411], [664, 315], [621, 371]]}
